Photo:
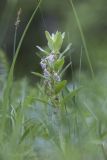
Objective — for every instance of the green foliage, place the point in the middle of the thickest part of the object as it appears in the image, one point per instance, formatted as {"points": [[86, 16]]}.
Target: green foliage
{"points": [[60, 86], [38, 74], [36, 130], [52, 65], [53, 119], [55, 41], [59, 64]]}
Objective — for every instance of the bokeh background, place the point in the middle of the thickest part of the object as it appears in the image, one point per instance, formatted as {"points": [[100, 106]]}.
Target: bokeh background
{"points": [[55, 15]]}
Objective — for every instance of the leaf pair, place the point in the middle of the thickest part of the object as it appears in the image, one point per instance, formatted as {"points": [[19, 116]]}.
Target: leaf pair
{"points": [[55, 41]]}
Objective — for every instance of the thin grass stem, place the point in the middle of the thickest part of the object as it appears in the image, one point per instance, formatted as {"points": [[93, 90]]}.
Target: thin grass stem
{"points": [[82, 36]]}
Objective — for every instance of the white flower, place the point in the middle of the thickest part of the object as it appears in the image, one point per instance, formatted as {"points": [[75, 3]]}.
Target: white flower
{"points": [[57, 78]]}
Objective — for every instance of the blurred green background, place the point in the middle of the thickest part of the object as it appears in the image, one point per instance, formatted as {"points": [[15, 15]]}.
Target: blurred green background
{"points": [[28, 108], [55, 15]]}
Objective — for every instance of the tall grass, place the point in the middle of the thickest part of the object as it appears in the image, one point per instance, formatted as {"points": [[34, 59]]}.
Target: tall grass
{"points": [[82, 36]]}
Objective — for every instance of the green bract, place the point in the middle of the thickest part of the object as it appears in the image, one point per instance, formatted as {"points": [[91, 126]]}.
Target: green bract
{"points": [[59, 64], [55, 41]]}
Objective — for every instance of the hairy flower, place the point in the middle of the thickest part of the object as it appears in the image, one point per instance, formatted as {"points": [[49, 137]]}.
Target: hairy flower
{"points": [[46, 73], [43, 63], [51, 58]]}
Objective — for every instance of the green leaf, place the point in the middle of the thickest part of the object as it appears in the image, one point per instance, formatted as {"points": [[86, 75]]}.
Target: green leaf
{"points": [[58, 42], [59, 64], [63, 35], [50, 41], [55, 36], [60, 86], [38, 74], [71, 95], [42, 50], [26, 133], [66, 67], [66, 50]]}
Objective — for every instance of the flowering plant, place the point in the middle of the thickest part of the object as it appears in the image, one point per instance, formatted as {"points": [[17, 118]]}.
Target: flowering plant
{"points": [[52, 63]]}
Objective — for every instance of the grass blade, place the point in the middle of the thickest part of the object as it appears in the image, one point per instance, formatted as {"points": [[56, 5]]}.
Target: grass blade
{"points": [[7, 91], [82, 37]]}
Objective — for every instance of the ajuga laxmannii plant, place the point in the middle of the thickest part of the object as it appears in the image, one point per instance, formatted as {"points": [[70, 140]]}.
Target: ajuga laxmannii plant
{"points": [[52, 63]]}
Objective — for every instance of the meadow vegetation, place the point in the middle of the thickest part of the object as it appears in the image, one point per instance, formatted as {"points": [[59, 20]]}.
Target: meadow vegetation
{"points": [[55, 118]]}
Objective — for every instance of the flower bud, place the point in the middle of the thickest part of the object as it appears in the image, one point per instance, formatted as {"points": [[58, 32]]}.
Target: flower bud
{"points": [[50, 58], [57, 78], [43, 64], [46, 73]]}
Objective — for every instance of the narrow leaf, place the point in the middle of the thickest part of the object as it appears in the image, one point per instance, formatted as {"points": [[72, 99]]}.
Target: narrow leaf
{"points": [[49, 39], [66, 67], [38, 74], [42, 50], [59, 64], [66, 50], [58, 42], [26, 133], [60, 86], [71, 95]]}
